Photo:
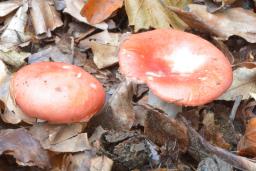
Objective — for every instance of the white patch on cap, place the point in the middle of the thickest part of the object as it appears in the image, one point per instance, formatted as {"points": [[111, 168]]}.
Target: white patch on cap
{"points": [[183, 61], [92, 85], [66, 66]]}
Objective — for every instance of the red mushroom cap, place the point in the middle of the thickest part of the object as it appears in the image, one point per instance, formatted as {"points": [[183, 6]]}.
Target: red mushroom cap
{"points": [[177, 66], [57, 92]]}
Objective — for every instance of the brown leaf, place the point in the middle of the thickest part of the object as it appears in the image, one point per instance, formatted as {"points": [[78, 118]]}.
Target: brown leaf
{"points": [[7, 7], [120, 103], [61, 138], [212, 132], [101, 163], [144, 14], [21, 145], [97, 11], [247, 144], [243, 84], [118, 113], [44, 17], [104, 46], [73, 7], [233, 21], [14, 34]]}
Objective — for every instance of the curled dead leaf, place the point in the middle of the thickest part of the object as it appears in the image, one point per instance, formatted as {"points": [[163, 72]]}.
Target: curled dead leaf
{"points": [[243, 84], [247, 144], [97, 11], [223, 24], [44, 17], [21, 145]]}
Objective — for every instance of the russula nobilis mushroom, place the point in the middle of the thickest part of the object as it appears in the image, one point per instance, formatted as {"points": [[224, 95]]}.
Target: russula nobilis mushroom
{"points": [[57, 92], [178, 67]]}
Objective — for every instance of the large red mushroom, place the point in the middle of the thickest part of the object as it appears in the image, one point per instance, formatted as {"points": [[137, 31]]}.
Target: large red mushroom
{"points": [[57, 92], [178, 67]]}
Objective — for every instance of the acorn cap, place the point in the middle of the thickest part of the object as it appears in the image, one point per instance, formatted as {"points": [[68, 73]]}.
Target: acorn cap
{"points": [[178, 67], [57, 92]]}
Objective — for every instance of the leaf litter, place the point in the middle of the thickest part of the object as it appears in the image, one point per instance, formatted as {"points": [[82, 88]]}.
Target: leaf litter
{"points": [[134, 130]]}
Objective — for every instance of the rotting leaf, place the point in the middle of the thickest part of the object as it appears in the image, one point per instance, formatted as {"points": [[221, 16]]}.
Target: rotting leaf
{"points": [[73, 7], [243, 84], [233, 21], [21, 145], [7, 7], [211, 132], [130, 150], [214, 164], [14, 58], [161, 129], [61, 138], [44, 17], [97, 11], [247, 144]]}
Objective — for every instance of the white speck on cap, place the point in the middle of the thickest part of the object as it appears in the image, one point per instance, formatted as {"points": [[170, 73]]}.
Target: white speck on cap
{"points": [[92, 85]]}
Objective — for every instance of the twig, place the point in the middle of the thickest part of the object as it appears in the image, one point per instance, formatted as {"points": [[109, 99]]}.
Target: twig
{"points": [[235, 107], [200, 145]]}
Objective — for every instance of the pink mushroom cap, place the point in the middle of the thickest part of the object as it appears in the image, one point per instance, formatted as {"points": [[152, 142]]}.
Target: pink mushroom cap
{"points": [[57, 92], [178, 67]]}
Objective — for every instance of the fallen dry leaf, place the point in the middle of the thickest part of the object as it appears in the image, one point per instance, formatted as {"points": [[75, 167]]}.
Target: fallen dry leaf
{"points": [[211, 132], [44, 17], [121, 106], [247, 144], [21, 145], [14, 34], [118, 113], [97, 11], [73, 7], [101, 163], [52, 53], [11, 112], [143, 14], [213, 164], [233, 21], [243, 84], [14, 58], [7, 7], [105, 48], [4, 73], [61, 138]]}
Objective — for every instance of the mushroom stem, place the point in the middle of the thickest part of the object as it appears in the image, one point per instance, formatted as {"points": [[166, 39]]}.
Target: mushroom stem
{"points": [[169, 108]]}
